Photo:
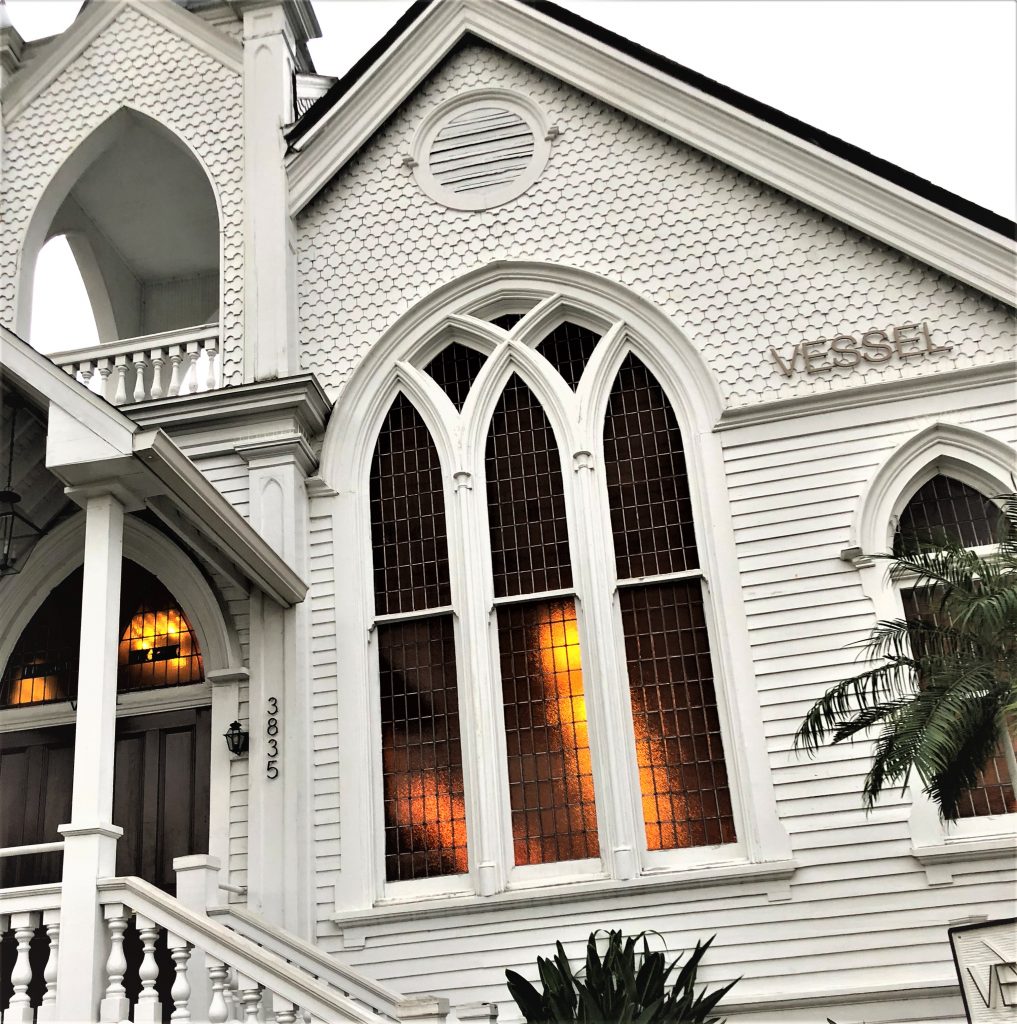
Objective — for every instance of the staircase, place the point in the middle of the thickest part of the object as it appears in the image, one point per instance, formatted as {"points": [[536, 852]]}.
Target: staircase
{"points": [[228, 966]]}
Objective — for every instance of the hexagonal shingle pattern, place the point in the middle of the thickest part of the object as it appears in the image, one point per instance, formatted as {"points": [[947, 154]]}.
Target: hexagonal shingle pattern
{"points": [[738, 265], [137, 63]]}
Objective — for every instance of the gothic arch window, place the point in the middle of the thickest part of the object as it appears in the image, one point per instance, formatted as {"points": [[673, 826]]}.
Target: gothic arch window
{"points": [[945, 508], [157, 646], [544, 694]]}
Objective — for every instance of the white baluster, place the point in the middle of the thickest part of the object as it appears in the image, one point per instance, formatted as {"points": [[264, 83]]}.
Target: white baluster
{"points": [[175, 357], [211, 348], [191, 373], [20, 1009], [181, 990], [156, 359], [85, 366], [250, 998], [47, 1009], [285, 1011], [218, 1008], [148, 1010], [104, 368], [115, 1006], [120, 397], [139, 376]]}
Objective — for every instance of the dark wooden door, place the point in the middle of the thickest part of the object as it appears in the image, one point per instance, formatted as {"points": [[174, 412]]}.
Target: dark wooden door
{"points": [[160, 795]]}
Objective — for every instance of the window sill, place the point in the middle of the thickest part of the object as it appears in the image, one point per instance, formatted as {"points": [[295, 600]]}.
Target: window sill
{"points": [[771, 878], [942, 860]]}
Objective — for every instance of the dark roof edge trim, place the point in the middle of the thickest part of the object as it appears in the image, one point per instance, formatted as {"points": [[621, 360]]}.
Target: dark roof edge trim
{"points": [[324, 103], [763, 111], [792, 125]]}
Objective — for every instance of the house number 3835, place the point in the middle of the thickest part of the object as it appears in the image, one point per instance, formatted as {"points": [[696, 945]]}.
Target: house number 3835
{"points": [[271, 735]]}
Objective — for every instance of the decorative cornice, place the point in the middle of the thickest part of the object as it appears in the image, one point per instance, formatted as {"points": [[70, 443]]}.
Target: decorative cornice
{"points": [[302, 398], [867, 394], [66, 47], [855, 196], [278, 450]]}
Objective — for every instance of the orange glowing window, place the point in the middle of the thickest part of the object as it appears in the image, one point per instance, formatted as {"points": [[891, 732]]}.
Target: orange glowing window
{"points": [[422, 770], [680, 754], [157, 645], [554, 815]]}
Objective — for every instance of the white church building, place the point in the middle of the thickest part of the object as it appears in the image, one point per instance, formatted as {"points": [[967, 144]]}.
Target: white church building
{"points": [[473, 486]]}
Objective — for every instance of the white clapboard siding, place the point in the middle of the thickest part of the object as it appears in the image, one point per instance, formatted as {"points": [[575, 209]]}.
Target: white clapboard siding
{"points": [[228, 472], [861, 913], [325, 709], [239, 787]]}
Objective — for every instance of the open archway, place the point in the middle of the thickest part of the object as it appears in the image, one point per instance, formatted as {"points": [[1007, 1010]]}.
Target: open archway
{"points": [[142, 219]]}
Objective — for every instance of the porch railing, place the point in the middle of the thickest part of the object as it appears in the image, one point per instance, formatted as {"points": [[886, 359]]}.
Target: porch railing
{"points": [[150, 367], [32, 914]]}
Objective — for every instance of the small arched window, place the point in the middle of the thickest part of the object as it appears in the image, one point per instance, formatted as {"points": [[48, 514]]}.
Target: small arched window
{"points": [[945, 509], [157, 647]]}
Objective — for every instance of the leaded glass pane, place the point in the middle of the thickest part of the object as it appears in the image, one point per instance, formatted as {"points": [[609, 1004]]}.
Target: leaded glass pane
{"points": [[647, 479], [568, 349], [679, 751], [946, 509], [408, 516], [525, 498], [422, 766], [454, 369], [554, 816]]}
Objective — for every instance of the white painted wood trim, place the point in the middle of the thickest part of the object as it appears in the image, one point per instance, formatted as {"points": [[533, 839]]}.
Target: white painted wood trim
{"points": [[917, 226]]}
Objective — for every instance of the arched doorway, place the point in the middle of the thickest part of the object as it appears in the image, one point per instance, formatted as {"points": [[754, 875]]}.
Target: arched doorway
{"points": [[162, 774]]}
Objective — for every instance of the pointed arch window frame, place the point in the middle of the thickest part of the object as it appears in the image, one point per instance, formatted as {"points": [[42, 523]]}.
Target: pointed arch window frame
{"points": [[577, 420], [989, 466]]}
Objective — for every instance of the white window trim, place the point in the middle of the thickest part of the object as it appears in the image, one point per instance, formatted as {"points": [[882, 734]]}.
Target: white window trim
{"points": [[987, 465], [393, 366]]}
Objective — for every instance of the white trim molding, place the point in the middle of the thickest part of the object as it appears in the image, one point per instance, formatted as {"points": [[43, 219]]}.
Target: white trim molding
{"points": [[923, 229], [627, 324]]}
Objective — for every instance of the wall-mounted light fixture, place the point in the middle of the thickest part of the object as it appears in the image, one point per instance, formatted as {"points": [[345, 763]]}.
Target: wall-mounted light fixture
{"points": [[236, 739], [18, 534]]}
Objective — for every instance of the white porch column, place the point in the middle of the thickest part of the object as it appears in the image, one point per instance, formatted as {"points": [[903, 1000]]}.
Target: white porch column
{"points": [[280, 877], [90, 838], [270, 263]]}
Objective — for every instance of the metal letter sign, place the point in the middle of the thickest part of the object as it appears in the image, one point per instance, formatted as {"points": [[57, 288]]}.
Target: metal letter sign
{"points": [[985, 955], [271, 734]]}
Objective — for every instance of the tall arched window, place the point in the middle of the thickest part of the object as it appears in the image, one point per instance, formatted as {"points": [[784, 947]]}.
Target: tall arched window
{"points": [[547, 700], [945, 509], [157, 646]]}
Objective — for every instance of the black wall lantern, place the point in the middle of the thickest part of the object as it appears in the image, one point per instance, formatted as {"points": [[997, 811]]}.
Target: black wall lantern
{"points": [[236, 739], [18, 534]]}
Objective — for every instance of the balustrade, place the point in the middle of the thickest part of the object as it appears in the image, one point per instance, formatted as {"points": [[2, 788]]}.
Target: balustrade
{"points": [[30, 916], [149, 368]]}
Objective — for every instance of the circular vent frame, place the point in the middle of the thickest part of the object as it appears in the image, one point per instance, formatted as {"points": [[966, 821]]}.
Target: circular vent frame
{"points": [[481, 149]]}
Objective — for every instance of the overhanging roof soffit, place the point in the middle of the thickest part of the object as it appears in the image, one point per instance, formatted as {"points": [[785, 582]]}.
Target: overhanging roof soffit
{"points": [[946, 240], [68, 46]]}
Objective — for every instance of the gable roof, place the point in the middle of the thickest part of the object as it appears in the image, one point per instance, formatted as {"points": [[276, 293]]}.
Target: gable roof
{"points": [[910, 213]]}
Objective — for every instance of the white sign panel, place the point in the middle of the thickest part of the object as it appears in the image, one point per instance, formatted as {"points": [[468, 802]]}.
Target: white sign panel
{"points": [[986, 959]]}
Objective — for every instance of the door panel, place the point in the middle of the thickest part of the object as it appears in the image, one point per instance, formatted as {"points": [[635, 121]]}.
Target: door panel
{"points": [[160, 795]]}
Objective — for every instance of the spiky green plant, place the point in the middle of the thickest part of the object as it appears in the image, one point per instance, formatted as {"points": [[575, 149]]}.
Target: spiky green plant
{"points": [[943, 689], [623, 986]]}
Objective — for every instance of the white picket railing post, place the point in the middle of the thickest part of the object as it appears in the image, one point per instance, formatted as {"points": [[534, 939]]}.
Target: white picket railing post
{"points": [[250, 998], [218, 975], [180, 993], [47, 1009], [20, 1011], [198, 889], [115, 1006], [148, 1009]]}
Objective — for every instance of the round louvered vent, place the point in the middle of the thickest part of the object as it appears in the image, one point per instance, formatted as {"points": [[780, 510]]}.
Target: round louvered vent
{"points": [[480, 150]]}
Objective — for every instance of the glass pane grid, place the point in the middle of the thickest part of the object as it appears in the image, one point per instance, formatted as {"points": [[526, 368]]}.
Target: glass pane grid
{"points": [[408, 516], [568, 349], [945, 508], [526, 500], [647, 478], [680, 754], [454, 370], [554, 816], [422, 769], [157, 648], [993, 793]]}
